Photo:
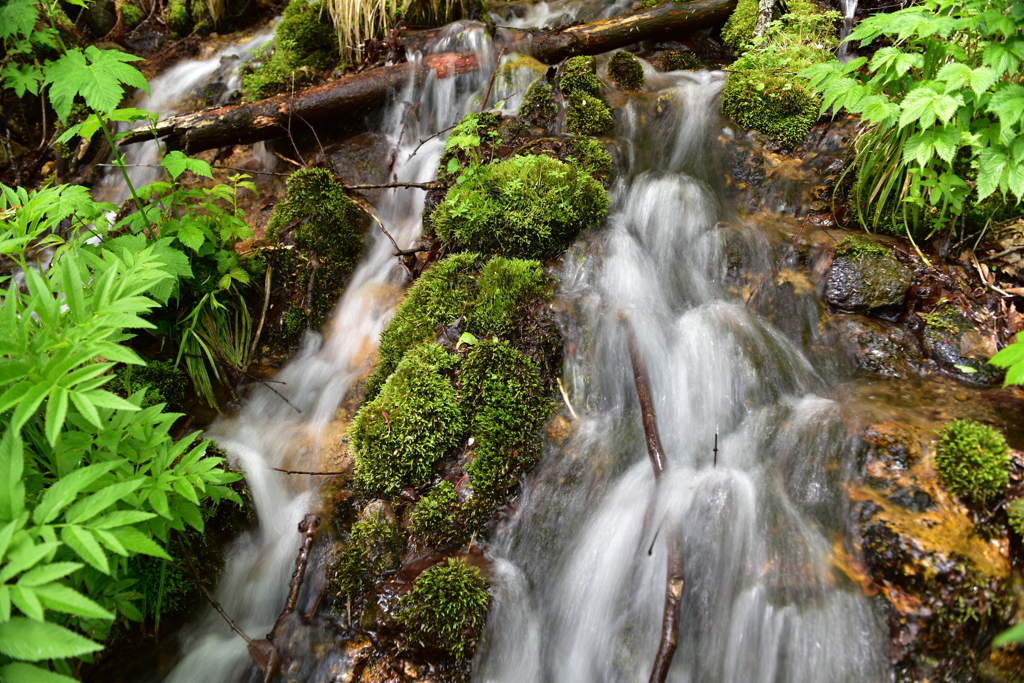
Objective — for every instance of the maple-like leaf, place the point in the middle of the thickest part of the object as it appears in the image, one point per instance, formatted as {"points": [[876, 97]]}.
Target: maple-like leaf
{"points": [[17, 17], [22, 78], [98, 76]]}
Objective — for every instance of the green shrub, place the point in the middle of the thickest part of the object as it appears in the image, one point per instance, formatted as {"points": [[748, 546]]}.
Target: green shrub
{"points": [[374, 546], [528, 206], [324, 224], [447, 609], [626, 71], [538, 107], [434, 517], [304, 45], [506, 405], [462, 149], [973, 460], [397, 437]]}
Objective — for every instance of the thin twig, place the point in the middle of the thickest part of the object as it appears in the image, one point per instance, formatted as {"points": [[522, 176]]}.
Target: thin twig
{"points": [[490, 83], [322, 474], [262, 381], [428, 139], [433, 184], [565, 397], [187, 551], [263, 316]]}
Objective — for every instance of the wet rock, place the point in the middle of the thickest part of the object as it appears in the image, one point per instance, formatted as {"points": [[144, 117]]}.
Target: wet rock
{"points": [[950, 339], [865, 282], [876, 346], [100, 18], [913, 500]]}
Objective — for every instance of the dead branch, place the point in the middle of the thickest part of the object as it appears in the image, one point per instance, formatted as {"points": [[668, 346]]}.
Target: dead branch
{"points": [[324, 474], [187, 552], [307, 527], [643, 392]]}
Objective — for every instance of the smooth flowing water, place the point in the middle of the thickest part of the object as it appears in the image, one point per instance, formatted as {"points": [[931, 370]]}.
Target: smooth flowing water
{"points": [[579, 569]]}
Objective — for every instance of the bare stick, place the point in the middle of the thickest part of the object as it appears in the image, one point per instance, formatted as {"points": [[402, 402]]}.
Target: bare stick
{"points": [[643, 392], [213, 601], [324, 474], [263, 316], [307, 527], [490, 83], [419, 186], [428, 139], [565, 397]]}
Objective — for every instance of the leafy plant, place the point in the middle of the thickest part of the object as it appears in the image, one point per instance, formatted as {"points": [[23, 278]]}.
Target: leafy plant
{"points": [[942, 108], [1011, 357]]}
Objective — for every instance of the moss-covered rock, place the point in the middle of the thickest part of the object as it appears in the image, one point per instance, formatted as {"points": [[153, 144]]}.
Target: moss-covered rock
{"points": [[488, 295], [626, 71], [945, 331], [304, 45], [579, 75], [973, 460], [678, 60], [178, 17], [538, 107], [446, 609], [131, 15], [507, 405], [738, 32], [374, 546], [415, 419], [530, 206], [587, 113], [856, 247], [325, 226], [592, 157], [434, 517], [863, 278]]}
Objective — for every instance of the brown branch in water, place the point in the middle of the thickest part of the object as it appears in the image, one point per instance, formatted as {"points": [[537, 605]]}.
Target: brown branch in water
{"points": [[418, 186], [187, 552], [307, 527], [490, 83], [325, 474], [643, 392]]}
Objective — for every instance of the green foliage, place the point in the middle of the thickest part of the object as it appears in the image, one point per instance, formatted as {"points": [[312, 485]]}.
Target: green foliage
{"points": [[374, 546], [447, 609], [304, 45], [1015, 513], [941, 107], [538, 107], [132, 15], [527, 206], [506, 404], [587, 114], [803, 20], [179, 18], [856, 247], [434, 517], [1012, 358], [579, 76], [973, 460], [592, 157], [626, 71], [398, 436], [163, 381], [324, 225], [90, 479], [463, 150]]}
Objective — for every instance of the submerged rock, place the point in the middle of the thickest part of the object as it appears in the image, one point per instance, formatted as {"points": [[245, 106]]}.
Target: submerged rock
{"points": [[949, 338], [864, 282], [876, 346]]}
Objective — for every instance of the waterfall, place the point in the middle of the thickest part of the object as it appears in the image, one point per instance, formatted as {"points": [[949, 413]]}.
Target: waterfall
{"points": [[581, 569], [849, 9]]}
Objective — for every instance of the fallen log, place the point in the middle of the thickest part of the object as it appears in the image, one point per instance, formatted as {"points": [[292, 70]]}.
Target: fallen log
{"points": [[358, 93], [674, 581]]}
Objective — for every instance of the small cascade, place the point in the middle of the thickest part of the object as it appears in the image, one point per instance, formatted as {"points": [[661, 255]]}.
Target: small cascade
{"points": [[269, 433], [849, 9], [581, 568]]}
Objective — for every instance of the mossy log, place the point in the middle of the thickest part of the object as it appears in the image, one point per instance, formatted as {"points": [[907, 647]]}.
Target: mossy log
{"points": [[274, 117]]}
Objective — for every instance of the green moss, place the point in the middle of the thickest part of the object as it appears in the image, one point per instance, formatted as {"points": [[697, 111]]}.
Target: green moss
{"points": [[626, 71], [164, 381], [739, 27], [506, 403], [973, 460], [304, 45], [587, 115], [374, 546], [434, 517], [397, 437], [679, 60], [529, 206], [804, 19], [856, 247], [579, 76], [132, 15], [325, 227], [592, 157], [943, 320], [1015, 513], [179, 18], [446, 609], [538, 107], [504, 287], [464, 145]]}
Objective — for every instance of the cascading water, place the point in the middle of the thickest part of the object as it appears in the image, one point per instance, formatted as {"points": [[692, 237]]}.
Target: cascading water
{"points": [[582, 568], [849, 9]]}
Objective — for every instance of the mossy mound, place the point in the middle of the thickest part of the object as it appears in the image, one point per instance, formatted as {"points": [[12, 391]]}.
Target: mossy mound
{"points": [[626, 71], [592, 157], [973, 460], [447, 609], [678, 60], [397, 437], [738, 32], [538, 107], [528, 207], [183, 17], [857, 247], [579, 75], [304, 45], [489, 296], [507, 405], [325, 226], [132, 15], [374, 546], [434, 519], [587, 114]]}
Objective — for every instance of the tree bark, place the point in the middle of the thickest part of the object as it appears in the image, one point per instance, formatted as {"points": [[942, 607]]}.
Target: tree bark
{"points": [[356, 94]]}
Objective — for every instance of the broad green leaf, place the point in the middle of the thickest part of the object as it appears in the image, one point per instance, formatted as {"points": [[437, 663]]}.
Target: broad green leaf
{"points": [[63, 599], [17, 17], [89, 507], [105, 399], [20, 672], [26, 556], [1008, 104], [1012, 635], [13, 371], [65, 489], [158, 500], [56, 411], [110, 541], [5, 536], [121, 518], [190, 513], [177, 163], [36, 641], [25, 599], [1004, 56], [22, 78], [86, 408], [28, 405], [83, 543], [919, 148], [137, 542], [47, 573], [191, 234], [12, 486], [925, 106], [95, 75], [992, 171]]}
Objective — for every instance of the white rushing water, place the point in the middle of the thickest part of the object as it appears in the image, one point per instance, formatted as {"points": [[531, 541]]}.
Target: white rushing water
{"points": [[581, 569]]}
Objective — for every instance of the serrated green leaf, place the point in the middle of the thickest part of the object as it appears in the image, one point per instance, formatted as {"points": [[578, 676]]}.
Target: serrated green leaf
{"points": [[65, 489], [137, 542], [1008, 104], [190, 513], [22, 78], [24, 557], [121, 518], [12, 486], [35, 641], [47, 573], [86, 546], [20, 672], [92, 505], [69, 601], [24, 598], [17, 17], [95, 75]]}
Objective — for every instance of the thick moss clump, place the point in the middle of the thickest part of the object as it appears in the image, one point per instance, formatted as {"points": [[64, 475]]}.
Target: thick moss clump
{"points": [[679, 60], [374, 546], [502, 391], [738, 31], [973, 460], [304, 45], [178, 18], [857, 247], [434, 517], [626, 71], [324, 225], [538, 107], [588, 114], [529, 206], [132, 15], [164, 382], [592, 157], [447, 609], [488, 295], [464, 146], [397, 437]]}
